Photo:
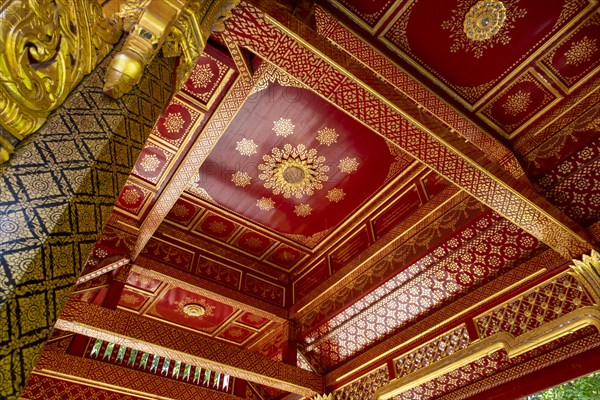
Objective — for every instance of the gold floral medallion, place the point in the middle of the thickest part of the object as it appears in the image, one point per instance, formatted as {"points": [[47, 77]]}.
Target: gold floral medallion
{"points": [[484, 19]]}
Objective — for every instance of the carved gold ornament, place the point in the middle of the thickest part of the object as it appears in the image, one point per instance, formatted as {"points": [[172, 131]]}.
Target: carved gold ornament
{"points": [[293, 171], [46, 48], [484, 19], [178, 27], [194, 310], [198, 309]]}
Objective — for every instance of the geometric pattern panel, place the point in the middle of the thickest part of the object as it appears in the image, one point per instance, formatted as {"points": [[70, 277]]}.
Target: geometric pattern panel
{"points": [[57, 193], [46, 388], [365, 387]]}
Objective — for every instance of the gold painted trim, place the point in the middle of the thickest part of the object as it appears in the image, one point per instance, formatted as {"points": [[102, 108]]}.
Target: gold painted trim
{"points": [[357, 20], [558, 97], [446, 321], [514, 346]]}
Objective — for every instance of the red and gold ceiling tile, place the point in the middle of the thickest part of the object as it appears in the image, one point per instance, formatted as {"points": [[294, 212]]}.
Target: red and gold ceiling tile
{"points": [[349, 249], [264, 290], [302, 159], [174, 126], [185, 308], [253, 243], [219, 273], [143, 282], [134, 197], [577, 57], [255, 321], [183, 212], [217, 226], [132, 299], [285, 256], [235, 333], [152, 162], [208, 77], [172, 255], [405, 204], [526, 98], [311, 279], [431, 36], [368, 14], [433, 184]]}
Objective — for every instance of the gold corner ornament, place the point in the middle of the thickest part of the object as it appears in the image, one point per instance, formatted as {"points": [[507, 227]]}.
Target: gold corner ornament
{"points": [[46, 48], [587, 272], [178, 27]]}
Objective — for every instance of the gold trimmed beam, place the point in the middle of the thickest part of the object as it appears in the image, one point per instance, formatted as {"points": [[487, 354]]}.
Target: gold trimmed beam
{"points": [[122, 380], [47, 47], [143, 334], [513, 346]]}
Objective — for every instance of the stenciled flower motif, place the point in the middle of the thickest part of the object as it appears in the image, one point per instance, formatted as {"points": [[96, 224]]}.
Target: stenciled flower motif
{"points": [[348, 165], [303, 210], [201, 76], [217, 227], [253, 243], [327, 136], [174, 122], [180, 211], [150, 162], [130, 196], [336, 195], [283, 127], [265, 204], [581, 51], [246, 147], [517, 103], [241, 179]]}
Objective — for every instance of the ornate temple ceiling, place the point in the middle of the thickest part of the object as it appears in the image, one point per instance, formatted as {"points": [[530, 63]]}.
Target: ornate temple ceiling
{"points": [[299, 211]]}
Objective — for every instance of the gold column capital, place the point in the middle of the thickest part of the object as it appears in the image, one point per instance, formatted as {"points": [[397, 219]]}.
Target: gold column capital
{"points": [[178, 27], [587, 272]]}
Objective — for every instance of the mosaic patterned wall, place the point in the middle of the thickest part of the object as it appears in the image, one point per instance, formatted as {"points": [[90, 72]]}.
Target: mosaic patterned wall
{"points": [[57, 192]]}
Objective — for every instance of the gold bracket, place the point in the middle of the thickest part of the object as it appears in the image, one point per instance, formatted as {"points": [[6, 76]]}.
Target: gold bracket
{"points": [[178, 27]]}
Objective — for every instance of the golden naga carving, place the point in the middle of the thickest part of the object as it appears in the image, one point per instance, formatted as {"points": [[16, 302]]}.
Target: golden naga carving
{"points": [[179, 27], [46, 48], [587, 271]]}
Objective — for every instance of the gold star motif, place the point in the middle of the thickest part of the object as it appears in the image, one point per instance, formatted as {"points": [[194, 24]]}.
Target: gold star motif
{"points": [[327, 136], [130, 196], [335, 195], [241, 179], [150, 162], [246, 147], [303, 210], [517, 103], [265, 204], [283, 127], [348, 165], [174, 122]]}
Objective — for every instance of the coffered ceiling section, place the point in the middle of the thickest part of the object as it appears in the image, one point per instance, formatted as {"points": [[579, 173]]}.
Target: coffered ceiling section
{"points": [[509, 62]]}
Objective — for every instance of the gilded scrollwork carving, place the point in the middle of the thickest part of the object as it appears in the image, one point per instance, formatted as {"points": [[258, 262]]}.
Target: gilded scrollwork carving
{"points": [[587, 271], [178, 27], [47, 47]]}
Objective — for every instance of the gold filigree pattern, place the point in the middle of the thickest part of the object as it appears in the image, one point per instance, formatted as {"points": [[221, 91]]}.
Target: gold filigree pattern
{"points": [[365, 387], [129, 299], [241, 179], [293, 171], [201, 76], [217, 227], [327, 136], [150, 162], [517, 103], [189, 307], [457, 25], [265, 204], [581, 51], [246, 147], [348, 165], [253, 243], [283, 127], [303, 210], [484, 19], [180, 211], [130, 196], [336, 195], [174, 122]]}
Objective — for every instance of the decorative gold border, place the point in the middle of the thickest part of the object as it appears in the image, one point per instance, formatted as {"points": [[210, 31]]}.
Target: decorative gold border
{"points": [[408, 188], [557, 98], [513, 346], [446, 88], [357, 20]]}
